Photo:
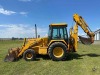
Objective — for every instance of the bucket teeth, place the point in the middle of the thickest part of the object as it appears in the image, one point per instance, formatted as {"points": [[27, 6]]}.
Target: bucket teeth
{"points": [[12, 54], [86, 41], [9, 58]]}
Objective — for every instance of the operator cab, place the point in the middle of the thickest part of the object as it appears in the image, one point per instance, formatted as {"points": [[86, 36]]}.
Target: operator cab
{"points": [[58, 32]]}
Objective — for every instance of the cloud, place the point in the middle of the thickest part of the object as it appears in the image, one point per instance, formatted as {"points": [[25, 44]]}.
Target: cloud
{"points": [[23, 13], [9, 12], [25, 0], [6, 12], [20, 30]]}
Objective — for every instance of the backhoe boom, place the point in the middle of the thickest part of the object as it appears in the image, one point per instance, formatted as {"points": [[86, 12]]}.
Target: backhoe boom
{"points": [[74, 32]]}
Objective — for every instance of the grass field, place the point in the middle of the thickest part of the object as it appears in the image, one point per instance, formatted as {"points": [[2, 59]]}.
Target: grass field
{"points": [[84, 62]]}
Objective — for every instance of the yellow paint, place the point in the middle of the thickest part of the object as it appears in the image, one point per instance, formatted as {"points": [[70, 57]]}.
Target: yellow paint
{"points": [[74, 31], [40, 45], [43, 50], [35, 44], [59, 24], [63, 41], [58, 52], [74, 37]]}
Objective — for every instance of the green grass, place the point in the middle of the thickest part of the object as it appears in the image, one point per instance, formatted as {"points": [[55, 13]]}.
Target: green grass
{"points": [[84, 62]]}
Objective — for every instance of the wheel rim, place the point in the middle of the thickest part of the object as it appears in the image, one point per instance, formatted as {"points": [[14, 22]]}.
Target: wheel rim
{"points": [[58, 52], [29, 55]]}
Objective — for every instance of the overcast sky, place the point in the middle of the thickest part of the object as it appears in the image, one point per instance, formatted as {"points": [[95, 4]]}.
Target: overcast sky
{"points": [[18, 17]]}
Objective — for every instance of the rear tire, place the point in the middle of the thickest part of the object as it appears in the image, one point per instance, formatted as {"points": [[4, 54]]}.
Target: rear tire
{"points": [[57, 51], [29, 55]]}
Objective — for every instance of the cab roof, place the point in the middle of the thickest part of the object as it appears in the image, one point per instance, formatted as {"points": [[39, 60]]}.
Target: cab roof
{"points": [[58, 24]]}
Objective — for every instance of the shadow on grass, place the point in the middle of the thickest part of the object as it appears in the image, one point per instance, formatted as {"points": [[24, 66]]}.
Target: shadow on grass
{"points": [[44, 57], [72, 56]]}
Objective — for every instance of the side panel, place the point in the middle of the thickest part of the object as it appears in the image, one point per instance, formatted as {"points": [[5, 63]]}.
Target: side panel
{"points": [[43, 50], [35, 44]]}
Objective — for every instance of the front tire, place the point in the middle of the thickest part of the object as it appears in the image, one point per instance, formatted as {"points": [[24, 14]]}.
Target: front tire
{"points": [[29, 55], [57, 51]]}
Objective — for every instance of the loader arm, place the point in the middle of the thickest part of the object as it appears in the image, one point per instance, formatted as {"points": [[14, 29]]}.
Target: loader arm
{"points": [[79, 21]]}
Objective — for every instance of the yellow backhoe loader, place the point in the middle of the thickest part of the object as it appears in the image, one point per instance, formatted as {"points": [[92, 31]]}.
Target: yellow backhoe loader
{"points": [[57, 45]]}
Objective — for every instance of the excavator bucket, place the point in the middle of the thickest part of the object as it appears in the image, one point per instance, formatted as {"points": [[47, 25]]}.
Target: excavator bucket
{"points": [[86, 41], [12, 54]]}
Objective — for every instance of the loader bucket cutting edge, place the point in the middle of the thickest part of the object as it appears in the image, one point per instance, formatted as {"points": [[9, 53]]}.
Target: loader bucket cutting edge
{"points": [[12, 54], [86, 41], [9, 58]]}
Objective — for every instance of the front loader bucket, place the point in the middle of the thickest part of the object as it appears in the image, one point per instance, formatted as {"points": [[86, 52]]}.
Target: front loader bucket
{"points": [[86, 41], [12, 54], [9, 58]]}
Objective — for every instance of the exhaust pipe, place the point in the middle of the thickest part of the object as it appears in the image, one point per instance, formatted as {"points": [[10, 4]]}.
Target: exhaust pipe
{"points": [[35, 31]]}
